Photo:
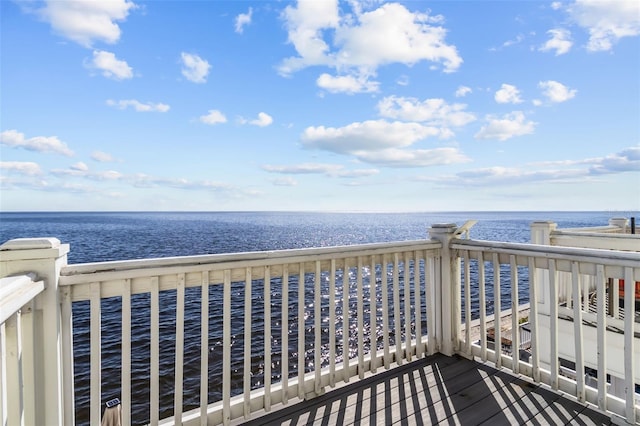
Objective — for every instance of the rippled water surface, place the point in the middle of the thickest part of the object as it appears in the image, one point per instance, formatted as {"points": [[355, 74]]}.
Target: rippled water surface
{"points": [[95, 237]]}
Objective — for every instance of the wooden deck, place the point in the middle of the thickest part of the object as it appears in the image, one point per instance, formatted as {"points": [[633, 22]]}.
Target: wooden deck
{"points": [[435, 390]]}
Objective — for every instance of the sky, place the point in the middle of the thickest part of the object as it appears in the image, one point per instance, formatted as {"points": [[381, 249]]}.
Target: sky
{"points": [[319, 105]]}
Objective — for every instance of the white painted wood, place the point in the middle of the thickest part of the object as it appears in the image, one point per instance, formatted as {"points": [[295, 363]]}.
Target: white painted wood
{"points": [[13, 370], [95, 355], [467, 300], [267, 338], [226, 349], [533, 320], [418, 304], [246, 374], [407, 305], [483, 308], [397, 331], [602, 338], [374, 319], [346, 318], [332, 324], [515, 323], [430, 295], [629, 307], [125, 371], [317, 349], [553, 344], [284, 362], [360, 317], [204, 348], [179, 351], [154, 376], [66, 312], [17, 291], [4, 385], [577, 332], [497, 310], [301, 331], [385, 310], [29, 348]]}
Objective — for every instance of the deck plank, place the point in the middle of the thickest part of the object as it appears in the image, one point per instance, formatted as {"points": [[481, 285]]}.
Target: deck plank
{"points": [[435, 390]]}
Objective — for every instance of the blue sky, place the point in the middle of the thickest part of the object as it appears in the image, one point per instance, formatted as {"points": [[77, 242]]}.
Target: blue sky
{"points": [[320, 105]]}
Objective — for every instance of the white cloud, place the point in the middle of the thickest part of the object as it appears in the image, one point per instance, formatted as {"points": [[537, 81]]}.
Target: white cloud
{"points": [[102, 157], [86, 21], [194, 68], [80, 166], [213, 117], [347, 84], [330, 170], [433, 111], [627, 160], [414, 158], [556, 5], [21, 167], [510, 125], [560, 41], [606, 21], [263, 120], [556, 92], [462, 91], [508, 94], [242, 20], [110, 66], [138, 106], [356, 44], [46, 144], [284, 181]]}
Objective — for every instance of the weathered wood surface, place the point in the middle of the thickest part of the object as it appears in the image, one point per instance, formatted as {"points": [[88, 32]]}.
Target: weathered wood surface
{"points": [[436, 390]]}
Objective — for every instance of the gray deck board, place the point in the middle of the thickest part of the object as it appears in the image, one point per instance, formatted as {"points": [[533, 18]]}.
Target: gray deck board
{"points": [[435, 390]]}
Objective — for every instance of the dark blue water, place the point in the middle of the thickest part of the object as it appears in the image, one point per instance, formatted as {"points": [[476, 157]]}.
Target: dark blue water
{"points": [[118, 236]]}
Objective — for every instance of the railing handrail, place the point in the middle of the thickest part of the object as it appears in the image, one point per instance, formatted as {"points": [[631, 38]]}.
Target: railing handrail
{"points": [[17, 291]]}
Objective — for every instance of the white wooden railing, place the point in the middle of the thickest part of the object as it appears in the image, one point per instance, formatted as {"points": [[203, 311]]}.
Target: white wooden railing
{"points": [[228, 335]]}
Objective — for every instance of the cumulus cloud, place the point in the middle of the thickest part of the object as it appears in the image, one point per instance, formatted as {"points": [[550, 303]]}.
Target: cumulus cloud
{"points": [[330, 170], [242, 20], [138, 106], [263, 120], [606, 21], [284, 181], [110, 66], [213, 117], [45, 144], [556, 92], [102, 157], [506, 127], [433, 111], [349, 84], [393, 157], [462, 91], [627, 160], [194, 68], [355, 44], [86, 21], [21, 167], [560, 42], [508, 94]]}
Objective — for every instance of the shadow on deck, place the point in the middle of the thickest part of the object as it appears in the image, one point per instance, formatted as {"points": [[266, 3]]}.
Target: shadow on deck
{"points": [[436, 390]]}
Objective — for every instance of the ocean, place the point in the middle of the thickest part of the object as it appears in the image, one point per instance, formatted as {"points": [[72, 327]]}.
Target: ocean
{"points": [[106, 236]]}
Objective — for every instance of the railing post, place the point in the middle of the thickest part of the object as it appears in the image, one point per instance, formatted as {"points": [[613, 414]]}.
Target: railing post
{"points": [[45, 257], [620, 222], [541, 234], [447, 287]]}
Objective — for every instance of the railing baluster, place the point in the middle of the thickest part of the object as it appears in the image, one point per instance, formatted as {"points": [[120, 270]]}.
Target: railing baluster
{"points": [[247, 344], [417, 285], [601, 315], [629, 369], [226, 348], [125, 374], [179, 360], [360, 315], [467, 301], [483, 307], [267, 338], [317, 313], [396, 308], [346, 316], [515, 323], [154, 372], [301, 331], [407, 306], [204, 347], [373, 315], [429, 266], [385, 310], [66, 312], [332, 323], [533, 318], [4, 416], [497, 323], [13, 370], [284, 361], [553, 292], [95, 354], [577, 330]]}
